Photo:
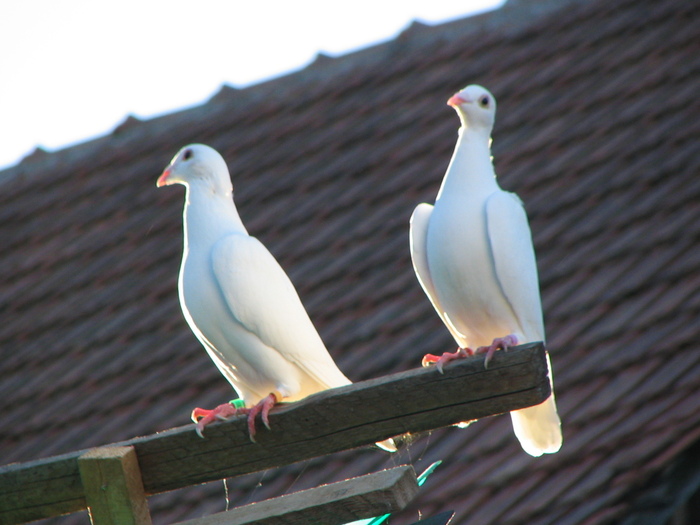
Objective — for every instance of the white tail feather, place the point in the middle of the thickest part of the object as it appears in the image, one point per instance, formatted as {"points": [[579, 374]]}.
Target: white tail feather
{"points": [[538, 428]]}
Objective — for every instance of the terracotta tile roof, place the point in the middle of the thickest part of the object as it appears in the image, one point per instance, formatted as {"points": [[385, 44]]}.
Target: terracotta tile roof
{"points": [[597, 130]]}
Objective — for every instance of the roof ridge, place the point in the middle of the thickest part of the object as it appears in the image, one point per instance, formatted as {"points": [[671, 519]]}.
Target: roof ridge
{"points": [[131, 131]]}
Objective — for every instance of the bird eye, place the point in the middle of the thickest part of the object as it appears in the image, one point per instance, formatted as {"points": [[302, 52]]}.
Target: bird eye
{"points": [[484, 101], [187, 155]]}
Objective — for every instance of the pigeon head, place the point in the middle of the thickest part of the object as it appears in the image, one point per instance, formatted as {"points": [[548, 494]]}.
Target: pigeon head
{"points": [[475, 106], [198, 165]]}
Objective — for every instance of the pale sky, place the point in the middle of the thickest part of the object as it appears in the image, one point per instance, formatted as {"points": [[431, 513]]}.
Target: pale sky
{"points": [[73, 69]]}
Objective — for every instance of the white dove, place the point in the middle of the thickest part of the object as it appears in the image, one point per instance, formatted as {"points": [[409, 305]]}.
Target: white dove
{"points": [[238, 300], [473, 255]]}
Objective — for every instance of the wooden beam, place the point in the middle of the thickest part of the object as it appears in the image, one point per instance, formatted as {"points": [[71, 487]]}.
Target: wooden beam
{"points": [[334, 504], [113, 488], [342, 418], [439, 519]]}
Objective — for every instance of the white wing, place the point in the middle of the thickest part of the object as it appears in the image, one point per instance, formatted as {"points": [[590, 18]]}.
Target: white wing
{"points": [[514, 261], [419, 255], [538, 428], [263, 299]]}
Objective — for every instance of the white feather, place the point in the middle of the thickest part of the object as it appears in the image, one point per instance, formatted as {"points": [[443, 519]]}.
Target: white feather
{"points": [[473, 255], [419, 255], [263, 300], [513, 257], [236, 297]]}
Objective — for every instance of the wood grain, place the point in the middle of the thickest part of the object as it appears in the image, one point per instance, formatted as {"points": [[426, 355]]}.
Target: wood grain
{"points": [[342, 418], [334, 504], [113, 487]]}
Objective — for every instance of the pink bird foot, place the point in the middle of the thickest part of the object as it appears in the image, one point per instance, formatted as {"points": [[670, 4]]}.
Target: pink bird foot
{"points": [[262, 407], [441, 361], [500, 343], [203, 417]]}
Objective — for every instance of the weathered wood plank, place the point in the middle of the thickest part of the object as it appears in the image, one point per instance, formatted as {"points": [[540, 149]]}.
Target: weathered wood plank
{"points": [[113, 487], [338, 419], [41, 489], [439, 519], [334, 504]]}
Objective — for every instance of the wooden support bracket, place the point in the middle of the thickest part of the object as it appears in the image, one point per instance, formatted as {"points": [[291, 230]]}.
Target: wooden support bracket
{"points": [[443, 518], [334, 504]]}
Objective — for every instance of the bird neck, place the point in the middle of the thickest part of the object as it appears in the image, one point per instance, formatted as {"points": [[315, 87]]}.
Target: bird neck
{"points": [[470, 170], [208, 216]]}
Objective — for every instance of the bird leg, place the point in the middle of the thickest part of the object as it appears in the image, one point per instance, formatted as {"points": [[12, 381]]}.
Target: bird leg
{"points": [[262, 407], [500, 343], [440, 361], [202, 417]]}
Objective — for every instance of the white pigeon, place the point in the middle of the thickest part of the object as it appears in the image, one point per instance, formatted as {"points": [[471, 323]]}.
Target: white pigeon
{"points": [[238, 300], [473, 255]]}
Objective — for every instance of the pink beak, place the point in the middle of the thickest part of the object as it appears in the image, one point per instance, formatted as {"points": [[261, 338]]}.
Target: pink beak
{"points": [[456, 100], [163, 179]]}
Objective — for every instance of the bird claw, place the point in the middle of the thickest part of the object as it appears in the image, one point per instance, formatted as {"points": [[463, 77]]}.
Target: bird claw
{"points": [[202, 417], [500, 343], [263, 407], [441, 361]]}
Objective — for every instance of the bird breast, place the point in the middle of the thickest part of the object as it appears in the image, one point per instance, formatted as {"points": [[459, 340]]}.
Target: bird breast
{"points": [[463, 274]]}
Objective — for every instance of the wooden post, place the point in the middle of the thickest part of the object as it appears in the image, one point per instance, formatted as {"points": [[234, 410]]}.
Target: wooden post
{"points": [[113, 488]]}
